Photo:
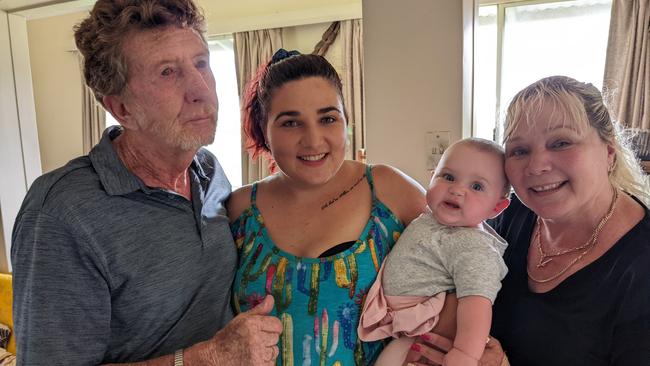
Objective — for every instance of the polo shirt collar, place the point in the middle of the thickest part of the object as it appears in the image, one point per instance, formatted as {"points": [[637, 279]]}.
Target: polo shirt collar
{"points": [[197, 167], [113, 174]]}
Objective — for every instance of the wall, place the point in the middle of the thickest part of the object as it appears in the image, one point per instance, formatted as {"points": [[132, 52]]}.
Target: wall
{"points": [[414, 49], [18, 137], [414, 76], [57, 88], [57, 80], [227, 16], [303, 38]]}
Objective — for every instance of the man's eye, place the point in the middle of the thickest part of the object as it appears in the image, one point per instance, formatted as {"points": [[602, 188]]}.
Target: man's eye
{"points": [[167, 71], [201, 64], [477, 187]]}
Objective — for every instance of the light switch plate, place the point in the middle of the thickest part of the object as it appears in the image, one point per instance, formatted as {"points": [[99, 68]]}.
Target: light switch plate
{"points": [[437, 143]]}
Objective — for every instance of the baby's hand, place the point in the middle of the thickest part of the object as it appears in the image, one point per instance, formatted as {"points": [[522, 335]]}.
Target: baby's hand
{"points": [[456, 357]]}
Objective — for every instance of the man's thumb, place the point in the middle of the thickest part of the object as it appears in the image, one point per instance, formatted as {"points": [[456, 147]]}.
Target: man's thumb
{"points": [[263, 308]]}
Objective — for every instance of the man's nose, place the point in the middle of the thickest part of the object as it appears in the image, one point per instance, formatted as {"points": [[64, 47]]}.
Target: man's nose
{"points": [[199, 85]]}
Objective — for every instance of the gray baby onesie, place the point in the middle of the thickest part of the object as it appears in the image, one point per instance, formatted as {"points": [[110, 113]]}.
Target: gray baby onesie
{"points": [[430, 258]]}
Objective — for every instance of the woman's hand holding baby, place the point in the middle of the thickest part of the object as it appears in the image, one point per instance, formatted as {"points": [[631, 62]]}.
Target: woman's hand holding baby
{"points": [[432, 349]]}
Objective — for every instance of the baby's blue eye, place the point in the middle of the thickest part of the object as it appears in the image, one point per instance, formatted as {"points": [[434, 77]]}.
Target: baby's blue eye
{"points": [[477, 187], [448, 177]]}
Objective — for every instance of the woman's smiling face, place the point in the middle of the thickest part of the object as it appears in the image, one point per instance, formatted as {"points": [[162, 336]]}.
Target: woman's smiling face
{"points": [[306, 130], [557, 166]]}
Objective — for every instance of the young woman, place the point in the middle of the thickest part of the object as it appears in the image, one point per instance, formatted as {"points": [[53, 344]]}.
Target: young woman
{"points": [[314, 234]]}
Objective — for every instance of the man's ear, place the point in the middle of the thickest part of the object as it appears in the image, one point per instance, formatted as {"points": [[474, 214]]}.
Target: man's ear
{"points": [[500, 206], [115, 106]]}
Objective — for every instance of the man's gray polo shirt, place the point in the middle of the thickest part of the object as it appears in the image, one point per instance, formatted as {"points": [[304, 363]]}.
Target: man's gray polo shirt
{"points": [[109, 270]]}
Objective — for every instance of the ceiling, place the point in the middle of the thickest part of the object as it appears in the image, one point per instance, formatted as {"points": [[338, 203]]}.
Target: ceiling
{"points": [[12, 5], [35, 9], [41, 8]]}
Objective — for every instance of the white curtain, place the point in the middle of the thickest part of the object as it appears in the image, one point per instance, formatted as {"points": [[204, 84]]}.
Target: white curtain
{"points": [[253, 49], [627, 67], [93, 120]]}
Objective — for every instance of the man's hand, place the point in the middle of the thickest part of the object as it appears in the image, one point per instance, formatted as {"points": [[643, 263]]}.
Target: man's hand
{"points": [[249, 339]]}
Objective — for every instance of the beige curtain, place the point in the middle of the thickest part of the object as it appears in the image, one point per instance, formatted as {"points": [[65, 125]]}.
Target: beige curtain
{"points": [[253, 49], [93, 120], [93, 115], [627, 66], [352, 35]]}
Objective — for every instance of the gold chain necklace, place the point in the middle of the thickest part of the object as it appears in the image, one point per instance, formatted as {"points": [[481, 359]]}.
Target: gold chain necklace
{"points": [[545, 258]]}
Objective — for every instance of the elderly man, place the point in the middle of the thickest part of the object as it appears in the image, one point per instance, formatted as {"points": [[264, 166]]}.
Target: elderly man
{"points": [[125, 255]]}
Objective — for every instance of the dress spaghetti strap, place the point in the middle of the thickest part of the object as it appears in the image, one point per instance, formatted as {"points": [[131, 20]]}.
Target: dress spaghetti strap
{"points": [[254, 194], [370, 181]]}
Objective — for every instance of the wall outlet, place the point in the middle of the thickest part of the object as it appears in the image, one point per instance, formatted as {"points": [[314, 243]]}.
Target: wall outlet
{"points": [[437, 143]]}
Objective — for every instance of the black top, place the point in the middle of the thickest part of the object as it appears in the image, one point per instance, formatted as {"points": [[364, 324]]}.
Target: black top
{"points": [[598, 316]]}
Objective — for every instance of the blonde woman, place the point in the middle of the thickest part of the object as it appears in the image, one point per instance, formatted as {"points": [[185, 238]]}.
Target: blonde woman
{"points": [[578, 287]]}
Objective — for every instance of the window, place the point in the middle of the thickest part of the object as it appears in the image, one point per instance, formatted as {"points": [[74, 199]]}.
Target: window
{"points": [[110, 120], [227, 142], [520, 42]]}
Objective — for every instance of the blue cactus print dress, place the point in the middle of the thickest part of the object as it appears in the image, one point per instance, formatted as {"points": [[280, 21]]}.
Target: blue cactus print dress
{"points": [[318, 300]]}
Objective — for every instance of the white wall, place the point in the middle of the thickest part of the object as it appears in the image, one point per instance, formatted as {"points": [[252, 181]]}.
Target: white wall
{"points": [[227, 16], [19, 149], [57, 88], [414, 73]]}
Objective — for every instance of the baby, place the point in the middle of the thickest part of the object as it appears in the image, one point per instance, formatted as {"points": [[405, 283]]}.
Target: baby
{"points": [[446, 249]]}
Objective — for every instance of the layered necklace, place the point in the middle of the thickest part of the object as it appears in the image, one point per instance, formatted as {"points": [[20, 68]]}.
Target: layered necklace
{"points": [[547, 257]]}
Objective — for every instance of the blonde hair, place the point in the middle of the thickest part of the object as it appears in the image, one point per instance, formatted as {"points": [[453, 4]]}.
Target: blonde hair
{"points": [[581, 103]]}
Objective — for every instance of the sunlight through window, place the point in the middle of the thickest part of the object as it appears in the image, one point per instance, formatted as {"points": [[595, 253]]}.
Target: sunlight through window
{"points": [[538, 40]]}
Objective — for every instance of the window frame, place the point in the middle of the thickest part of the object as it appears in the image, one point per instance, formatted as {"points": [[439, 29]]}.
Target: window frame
{"points": [[213, 42], [501, 5]]}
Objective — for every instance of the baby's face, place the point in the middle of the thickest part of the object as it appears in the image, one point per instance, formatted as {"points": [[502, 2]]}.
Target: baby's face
{"points": [[467, 187]]}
